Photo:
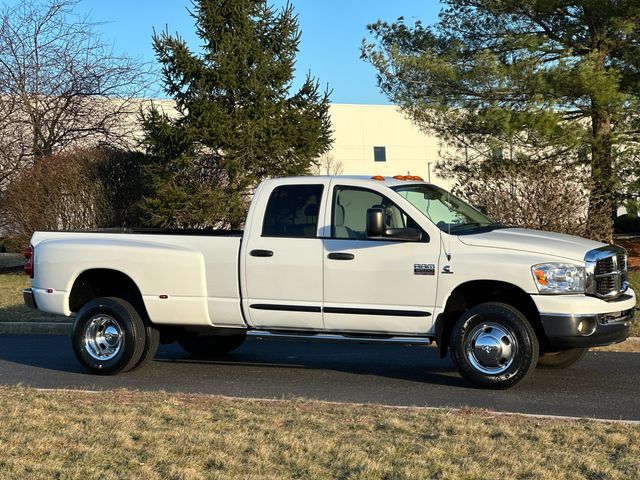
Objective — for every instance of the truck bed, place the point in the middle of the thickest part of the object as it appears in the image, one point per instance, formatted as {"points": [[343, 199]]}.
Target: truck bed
{"points": [[195, 232], [186, 277]]}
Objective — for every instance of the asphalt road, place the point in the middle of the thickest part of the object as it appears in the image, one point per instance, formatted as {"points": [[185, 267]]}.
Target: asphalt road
{"points": [[602, 385]]}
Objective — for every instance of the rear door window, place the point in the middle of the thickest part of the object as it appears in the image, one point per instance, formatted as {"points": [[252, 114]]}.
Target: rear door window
{"points": [[292, 211]]}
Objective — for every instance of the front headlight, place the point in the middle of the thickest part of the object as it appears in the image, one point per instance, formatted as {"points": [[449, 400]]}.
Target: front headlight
{"points": [[559, 278]]}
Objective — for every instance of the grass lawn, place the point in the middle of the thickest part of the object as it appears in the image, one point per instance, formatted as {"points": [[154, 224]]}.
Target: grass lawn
{"points": [[12, 307], [123, 434]]}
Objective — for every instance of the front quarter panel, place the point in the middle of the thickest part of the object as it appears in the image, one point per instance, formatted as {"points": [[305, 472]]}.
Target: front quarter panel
{"points": [[473, 263], [468, 263]]}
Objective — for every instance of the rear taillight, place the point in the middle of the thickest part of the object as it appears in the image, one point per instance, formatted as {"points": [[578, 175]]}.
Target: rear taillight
{"points": [[28, 261]]}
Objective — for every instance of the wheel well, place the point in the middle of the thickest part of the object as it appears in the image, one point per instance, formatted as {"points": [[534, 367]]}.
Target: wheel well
{"points": [[472, 293], [104, 282]]}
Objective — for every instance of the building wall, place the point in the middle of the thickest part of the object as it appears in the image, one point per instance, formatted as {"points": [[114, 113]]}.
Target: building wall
{"points": [[360, 128], [357, 129]]}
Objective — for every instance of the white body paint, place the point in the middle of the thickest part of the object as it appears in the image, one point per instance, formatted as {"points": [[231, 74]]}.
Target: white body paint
{"points": [[213, 281]]}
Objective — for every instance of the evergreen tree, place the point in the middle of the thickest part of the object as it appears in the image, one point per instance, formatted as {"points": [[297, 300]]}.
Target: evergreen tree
{"points": [[553, 76], [237, 123]]}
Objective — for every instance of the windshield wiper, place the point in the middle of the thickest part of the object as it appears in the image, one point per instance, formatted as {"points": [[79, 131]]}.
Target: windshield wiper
{"points": [[473, 225], [465, 225]]}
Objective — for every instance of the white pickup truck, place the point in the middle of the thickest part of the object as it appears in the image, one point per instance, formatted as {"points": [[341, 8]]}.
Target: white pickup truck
{"points": [[339, 258]]}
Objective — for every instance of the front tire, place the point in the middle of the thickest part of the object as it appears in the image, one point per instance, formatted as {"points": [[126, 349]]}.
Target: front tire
{"points": [[109, 336], [561, 358], [209, 346], [494, 346]]}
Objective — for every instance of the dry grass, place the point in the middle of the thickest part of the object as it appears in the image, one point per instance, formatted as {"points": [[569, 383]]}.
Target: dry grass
{"points": [[113, 435], [631, 345], [12, 307], [11, 286]]}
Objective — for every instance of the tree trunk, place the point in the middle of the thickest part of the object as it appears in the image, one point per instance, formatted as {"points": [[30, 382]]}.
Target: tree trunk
{"points": [[601, 201]]}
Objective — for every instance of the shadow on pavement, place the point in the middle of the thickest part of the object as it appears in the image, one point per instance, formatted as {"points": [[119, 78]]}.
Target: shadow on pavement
{"points": [[414, 364]]}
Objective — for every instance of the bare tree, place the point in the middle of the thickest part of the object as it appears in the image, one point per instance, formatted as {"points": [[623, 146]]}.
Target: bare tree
{"points": [[327, 165], [538, 194], [61, 85]]}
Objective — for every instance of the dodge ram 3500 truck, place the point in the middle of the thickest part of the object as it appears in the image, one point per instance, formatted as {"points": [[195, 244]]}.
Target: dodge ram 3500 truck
{"points": [[339, 257]]}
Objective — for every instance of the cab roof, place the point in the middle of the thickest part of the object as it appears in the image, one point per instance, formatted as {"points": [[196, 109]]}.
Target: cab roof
{"points": [[387, 180]]}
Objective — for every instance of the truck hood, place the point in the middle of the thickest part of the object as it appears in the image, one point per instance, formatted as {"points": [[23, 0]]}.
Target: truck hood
{"points": [[533, 241]]}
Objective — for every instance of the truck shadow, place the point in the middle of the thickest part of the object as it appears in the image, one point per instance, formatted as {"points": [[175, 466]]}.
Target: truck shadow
{"points": [[408, 363], [250, 361]]}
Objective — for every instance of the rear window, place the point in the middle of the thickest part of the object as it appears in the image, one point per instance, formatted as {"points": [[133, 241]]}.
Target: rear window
{"points": [[293, 211]]}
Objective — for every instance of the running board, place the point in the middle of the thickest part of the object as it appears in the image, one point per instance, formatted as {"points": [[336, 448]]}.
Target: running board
{"points": [[336, 337]]}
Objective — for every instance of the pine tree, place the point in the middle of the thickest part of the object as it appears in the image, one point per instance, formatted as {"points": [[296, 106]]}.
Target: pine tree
{"points": [[553, 76], [237, 123]]}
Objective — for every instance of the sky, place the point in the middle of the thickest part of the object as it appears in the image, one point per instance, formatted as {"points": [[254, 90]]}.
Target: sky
{"points": [[332, 32]]}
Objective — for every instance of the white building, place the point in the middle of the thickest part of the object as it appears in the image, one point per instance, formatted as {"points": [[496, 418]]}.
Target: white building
{"points": [[380, 140], [374, 140]]}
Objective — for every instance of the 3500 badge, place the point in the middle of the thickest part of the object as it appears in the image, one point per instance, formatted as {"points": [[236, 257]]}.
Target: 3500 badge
{"points": [[424, 269]]}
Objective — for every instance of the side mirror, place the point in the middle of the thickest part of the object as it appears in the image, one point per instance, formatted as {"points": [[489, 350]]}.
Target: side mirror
{"points": [[406, 234], [375, 222], [376, 228]]}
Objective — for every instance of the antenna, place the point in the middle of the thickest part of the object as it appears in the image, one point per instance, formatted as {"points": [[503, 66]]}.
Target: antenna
{"points": [[447, 250]]}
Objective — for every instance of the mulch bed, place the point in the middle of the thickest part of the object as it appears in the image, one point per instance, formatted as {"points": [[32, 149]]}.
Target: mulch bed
{"points": [[632, 246]]}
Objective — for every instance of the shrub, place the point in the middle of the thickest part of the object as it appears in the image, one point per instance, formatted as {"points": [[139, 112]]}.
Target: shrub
{"points": [[83, 189], [529, 194], [626, 224]]}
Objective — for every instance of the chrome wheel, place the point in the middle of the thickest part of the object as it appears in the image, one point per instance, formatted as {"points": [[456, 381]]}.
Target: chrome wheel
{"points": [[491, 348], [103, 337]]}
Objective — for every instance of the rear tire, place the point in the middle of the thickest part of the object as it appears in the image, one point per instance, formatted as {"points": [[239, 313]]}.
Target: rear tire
{"points": [[561, 358], [150, 347], [109, 336], [209, 346], [494, 346]]}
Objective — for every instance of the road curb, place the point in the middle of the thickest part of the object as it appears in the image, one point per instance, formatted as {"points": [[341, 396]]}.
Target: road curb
{"points": [[35, 328], [14, 269]]}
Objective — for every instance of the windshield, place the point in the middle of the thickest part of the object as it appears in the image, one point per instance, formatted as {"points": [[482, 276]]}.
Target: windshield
{"points": [[447, 211]]}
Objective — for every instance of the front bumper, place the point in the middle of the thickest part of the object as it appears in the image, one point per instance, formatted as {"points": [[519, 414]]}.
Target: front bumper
{"points": [[583, 321], [570, 331], [29, 299]]}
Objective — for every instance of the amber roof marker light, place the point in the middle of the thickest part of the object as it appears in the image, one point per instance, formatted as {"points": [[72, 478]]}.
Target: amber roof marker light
{"points": [[408, 177]]}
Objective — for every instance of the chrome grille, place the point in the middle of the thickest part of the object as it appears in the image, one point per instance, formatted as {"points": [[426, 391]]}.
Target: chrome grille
{"points": [[623, 267], [604, 266], [606, 269]]}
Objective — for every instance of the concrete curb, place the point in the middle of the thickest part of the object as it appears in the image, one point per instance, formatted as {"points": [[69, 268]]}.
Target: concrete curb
{"points": [[14, 269], [35, 328]]}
